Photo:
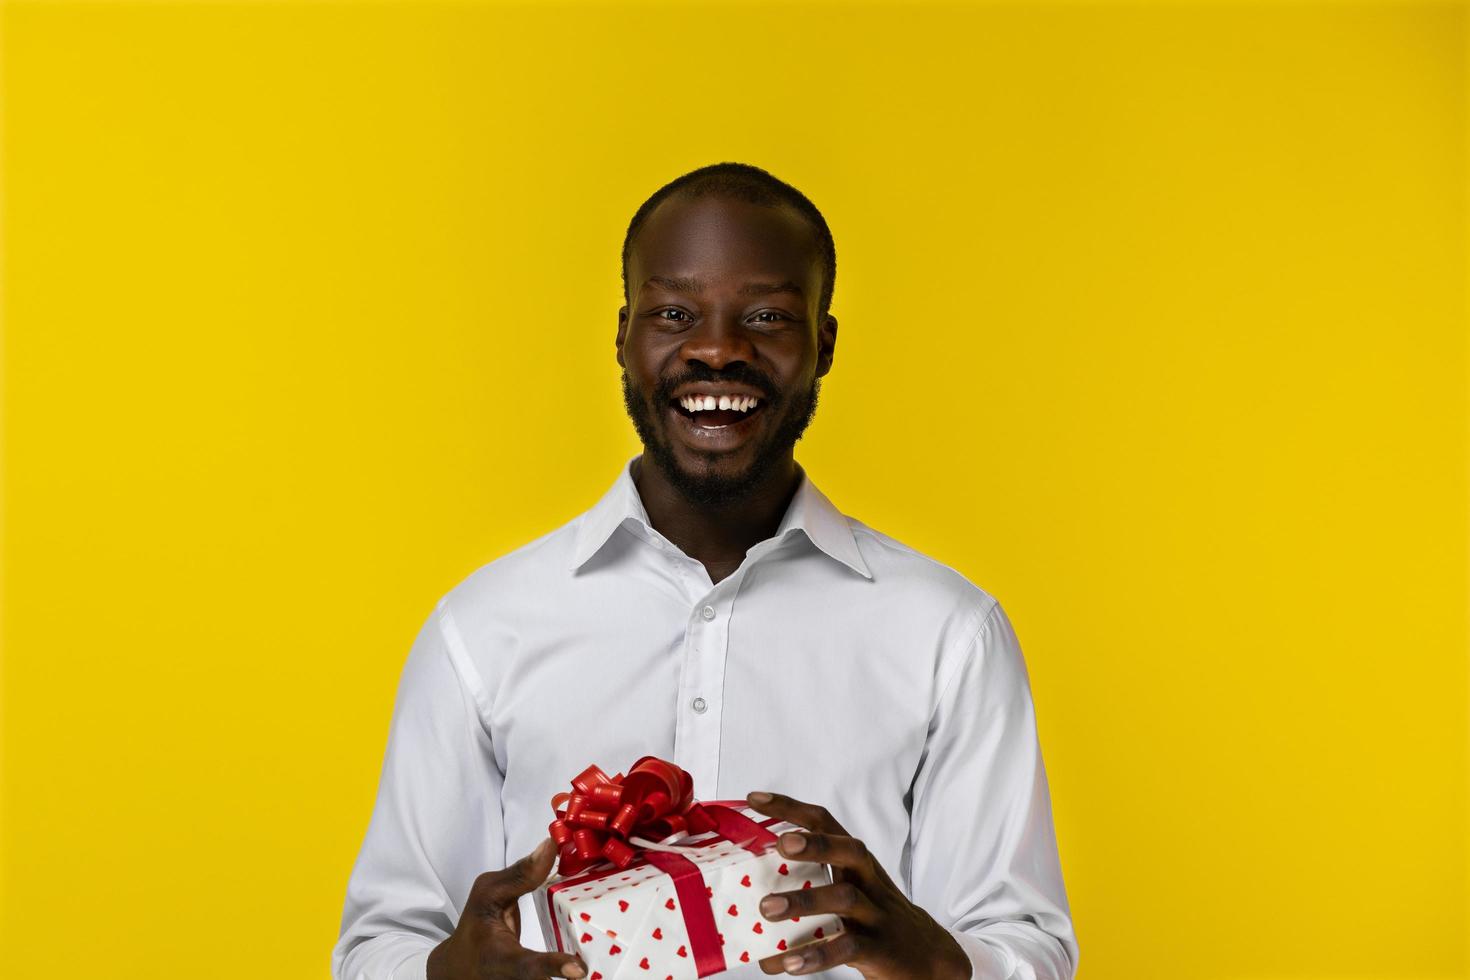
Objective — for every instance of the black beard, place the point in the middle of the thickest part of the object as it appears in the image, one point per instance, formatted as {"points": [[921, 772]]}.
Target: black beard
{"points": [[713, 491]]}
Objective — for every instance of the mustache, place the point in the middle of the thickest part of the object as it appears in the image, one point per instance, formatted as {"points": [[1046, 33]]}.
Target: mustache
{"points": [[742, 375]]}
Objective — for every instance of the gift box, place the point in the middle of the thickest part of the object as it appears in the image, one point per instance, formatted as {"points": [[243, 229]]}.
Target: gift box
{"points": [[653, 884]]}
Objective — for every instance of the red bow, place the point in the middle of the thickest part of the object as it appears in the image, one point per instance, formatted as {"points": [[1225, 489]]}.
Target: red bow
{"points": [[655, 800]]}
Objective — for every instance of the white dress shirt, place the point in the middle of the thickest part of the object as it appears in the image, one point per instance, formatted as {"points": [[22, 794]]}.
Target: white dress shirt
{"points": [[836, 665]]}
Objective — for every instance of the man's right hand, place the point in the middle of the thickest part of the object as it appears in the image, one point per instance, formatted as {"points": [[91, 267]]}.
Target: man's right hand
{"points": [[486, 945]]}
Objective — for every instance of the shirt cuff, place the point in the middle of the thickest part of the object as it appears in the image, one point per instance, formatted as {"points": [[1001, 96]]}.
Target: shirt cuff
{"points": [[987, 962]]}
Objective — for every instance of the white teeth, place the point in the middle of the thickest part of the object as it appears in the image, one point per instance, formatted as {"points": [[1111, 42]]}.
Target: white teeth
{"points": [[708, 403]]}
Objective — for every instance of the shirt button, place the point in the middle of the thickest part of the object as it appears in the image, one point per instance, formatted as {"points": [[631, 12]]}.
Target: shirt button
{"points": [[699, 705], [708, 612]]}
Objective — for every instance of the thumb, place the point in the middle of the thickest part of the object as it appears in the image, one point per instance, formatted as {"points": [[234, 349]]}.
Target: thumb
{"points": [[495, 890]]}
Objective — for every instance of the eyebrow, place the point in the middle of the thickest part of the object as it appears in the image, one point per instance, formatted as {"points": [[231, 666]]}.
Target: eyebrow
{"points": [[688, 284]]}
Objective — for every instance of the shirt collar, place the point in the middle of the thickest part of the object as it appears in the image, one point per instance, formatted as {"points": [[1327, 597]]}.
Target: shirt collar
{"points": [[810, 511]]}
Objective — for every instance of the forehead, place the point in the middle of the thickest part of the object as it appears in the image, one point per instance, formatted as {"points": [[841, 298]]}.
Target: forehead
{"points": [[720, 237]]}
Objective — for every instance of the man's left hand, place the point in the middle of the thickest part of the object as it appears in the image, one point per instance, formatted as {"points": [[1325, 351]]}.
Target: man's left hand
{"points": [[885, 936]]}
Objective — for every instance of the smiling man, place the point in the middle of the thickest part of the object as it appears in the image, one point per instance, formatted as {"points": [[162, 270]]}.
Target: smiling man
{"points": [[715, 609]]}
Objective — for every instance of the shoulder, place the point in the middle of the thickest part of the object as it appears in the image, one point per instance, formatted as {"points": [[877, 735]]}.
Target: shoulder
{"points": [[538, 568], [911, 576]]}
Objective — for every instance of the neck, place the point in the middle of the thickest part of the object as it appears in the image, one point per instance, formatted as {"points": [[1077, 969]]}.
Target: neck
{"points": [[717, 537]]}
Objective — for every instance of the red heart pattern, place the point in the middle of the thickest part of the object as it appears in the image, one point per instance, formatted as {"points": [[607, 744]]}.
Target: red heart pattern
{"points": [[781, 935]]}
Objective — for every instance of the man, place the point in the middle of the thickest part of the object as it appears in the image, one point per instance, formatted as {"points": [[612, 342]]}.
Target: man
{"points": [[716, 610]]}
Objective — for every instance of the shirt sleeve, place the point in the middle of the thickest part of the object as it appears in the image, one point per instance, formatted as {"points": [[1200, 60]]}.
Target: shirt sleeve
{"points": [[437, 821], [984, 857]]}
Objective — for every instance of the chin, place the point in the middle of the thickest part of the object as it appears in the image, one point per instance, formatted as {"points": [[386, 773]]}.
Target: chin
{"points": [[718, 480], [696, 463]]}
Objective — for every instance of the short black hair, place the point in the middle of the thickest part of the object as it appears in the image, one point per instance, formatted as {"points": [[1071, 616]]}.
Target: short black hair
{"points": [[743, 182]]}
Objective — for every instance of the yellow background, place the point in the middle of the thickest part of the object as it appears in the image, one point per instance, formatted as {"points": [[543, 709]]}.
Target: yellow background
{"points": [[1153, 323]]}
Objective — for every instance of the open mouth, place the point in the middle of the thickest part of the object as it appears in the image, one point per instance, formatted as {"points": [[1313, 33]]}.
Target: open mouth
{"points": [[712, 413]]}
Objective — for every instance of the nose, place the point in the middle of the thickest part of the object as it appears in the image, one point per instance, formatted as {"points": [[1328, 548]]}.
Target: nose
{"points": [[717, 342]]}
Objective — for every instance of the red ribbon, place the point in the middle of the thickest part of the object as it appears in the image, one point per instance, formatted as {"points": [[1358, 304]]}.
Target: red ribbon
{"points": [[654, 800]]}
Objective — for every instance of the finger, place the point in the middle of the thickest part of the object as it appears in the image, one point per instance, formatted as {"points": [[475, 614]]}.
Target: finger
{"points": [[511, 916], [493, 891], [843, 898], [824, 954], [772, 964], [552, 965], [838, 850], [808, 815]]}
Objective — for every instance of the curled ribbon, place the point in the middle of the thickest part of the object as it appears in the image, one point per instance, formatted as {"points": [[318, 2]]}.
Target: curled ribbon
{"points": [[654, 800]]}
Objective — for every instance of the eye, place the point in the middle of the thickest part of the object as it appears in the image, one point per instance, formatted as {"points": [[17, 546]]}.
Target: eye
{"points": [[775, 313], [681, 313]]}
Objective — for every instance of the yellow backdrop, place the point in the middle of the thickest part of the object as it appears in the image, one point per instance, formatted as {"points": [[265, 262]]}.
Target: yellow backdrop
{"points": [[1153, 323]]}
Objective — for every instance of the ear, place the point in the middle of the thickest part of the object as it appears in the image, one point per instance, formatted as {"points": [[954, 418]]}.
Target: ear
{"points": [[622, 333], [826, 344]]}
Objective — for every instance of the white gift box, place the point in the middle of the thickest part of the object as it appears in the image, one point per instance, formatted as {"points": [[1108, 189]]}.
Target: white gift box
{"points": [[630, 923]]}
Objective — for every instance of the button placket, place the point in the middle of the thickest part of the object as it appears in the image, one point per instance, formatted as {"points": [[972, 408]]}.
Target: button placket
{"points": [[707, 613], [700, 698]]}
